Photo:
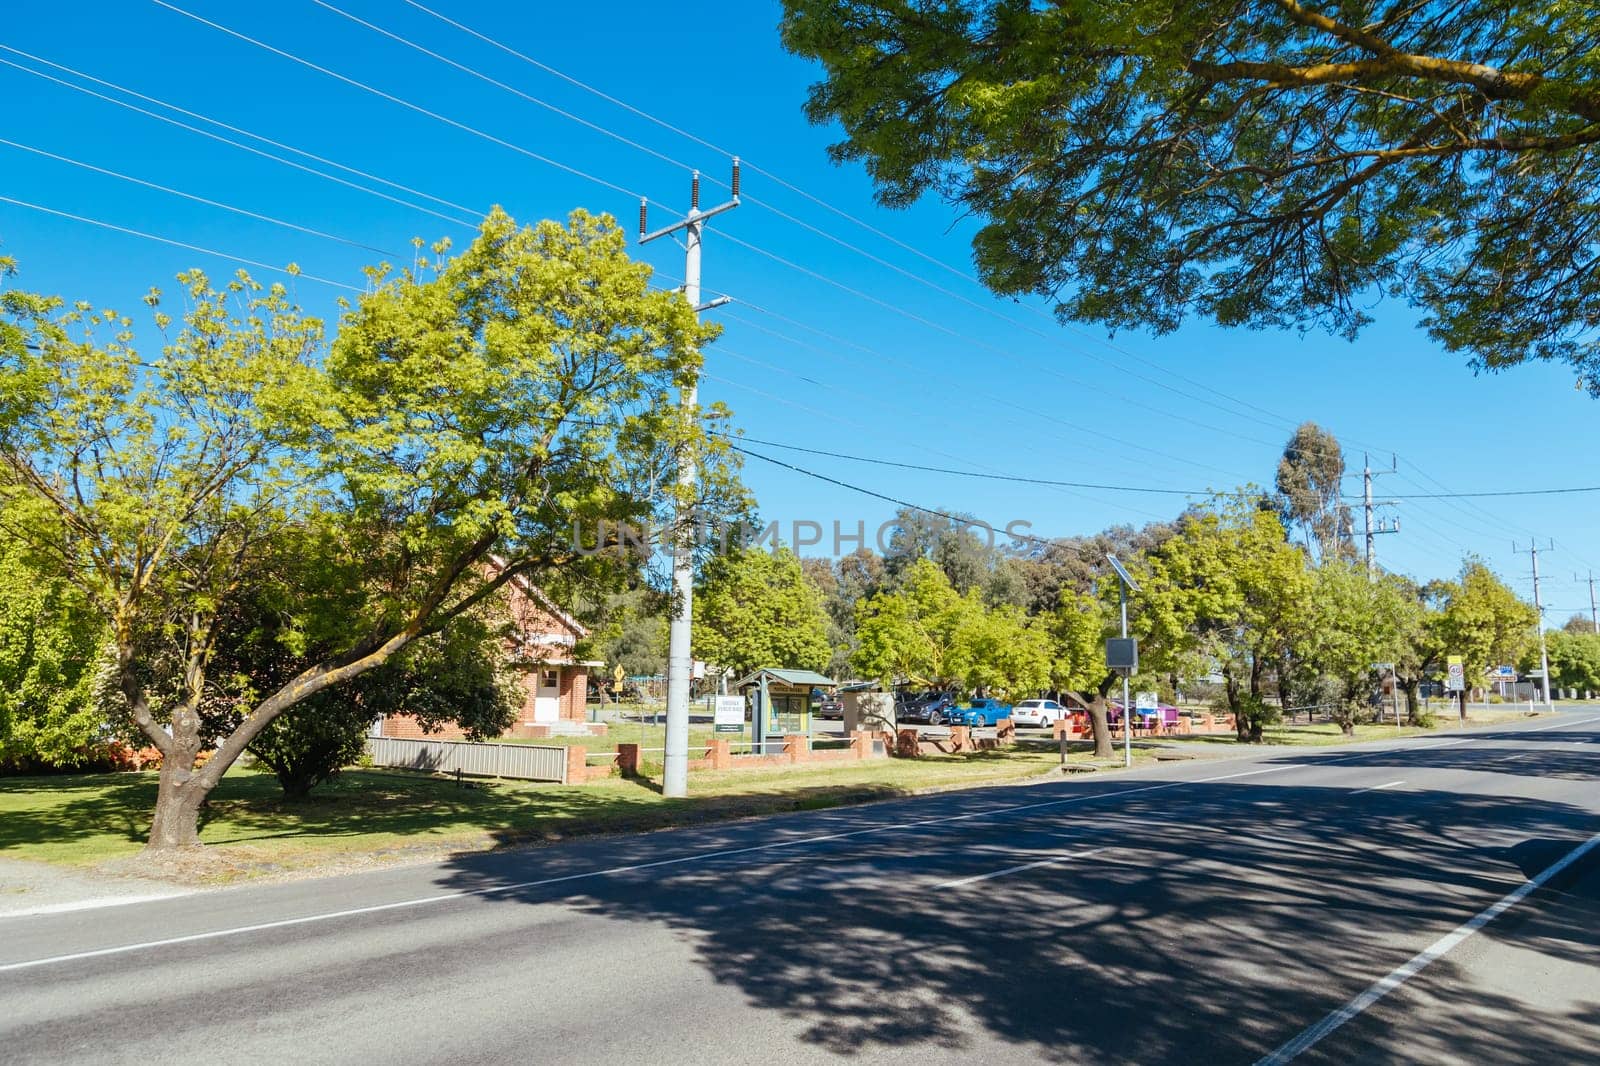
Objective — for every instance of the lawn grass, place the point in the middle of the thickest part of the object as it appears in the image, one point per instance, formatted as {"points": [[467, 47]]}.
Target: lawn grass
{"points": [[1324, 733], [379, 815], [369, 816]]}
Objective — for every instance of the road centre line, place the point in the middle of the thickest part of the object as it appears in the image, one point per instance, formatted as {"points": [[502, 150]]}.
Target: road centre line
{"points": [[1053, 860], [1423, 959], [1377, 788], [445, 897]]}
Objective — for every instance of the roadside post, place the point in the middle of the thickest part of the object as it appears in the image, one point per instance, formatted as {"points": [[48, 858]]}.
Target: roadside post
{"points": [[1456, 681], [1122, 655]]}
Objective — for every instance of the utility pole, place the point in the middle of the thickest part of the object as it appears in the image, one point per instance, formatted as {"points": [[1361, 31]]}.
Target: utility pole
{"points": [[680, 657], [1538, 608], [1594, 614], [1383, 526]]}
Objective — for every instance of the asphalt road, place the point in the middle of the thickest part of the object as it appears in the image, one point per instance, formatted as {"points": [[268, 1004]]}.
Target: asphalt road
{"points": [[1200, 912]]}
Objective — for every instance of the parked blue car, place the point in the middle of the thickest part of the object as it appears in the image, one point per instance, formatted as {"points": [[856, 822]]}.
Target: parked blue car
{"points": [[982, 712]]}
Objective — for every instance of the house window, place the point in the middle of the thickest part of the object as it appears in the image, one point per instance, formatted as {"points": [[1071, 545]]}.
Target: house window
{"points": [[549, 679]]}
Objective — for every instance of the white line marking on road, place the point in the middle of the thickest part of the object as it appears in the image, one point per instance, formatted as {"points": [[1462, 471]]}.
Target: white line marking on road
{"points": [[88, 904], [1423, 959], [1376, 788], [1514, 758], [1018, 869], [695, 857]]}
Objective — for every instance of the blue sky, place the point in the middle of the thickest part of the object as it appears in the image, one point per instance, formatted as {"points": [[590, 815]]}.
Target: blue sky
{"points": [[957, 380]]}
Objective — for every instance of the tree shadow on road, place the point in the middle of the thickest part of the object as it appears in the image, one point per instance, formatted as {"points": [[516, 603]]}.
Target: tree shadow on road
{"points": [[1213, 922]]}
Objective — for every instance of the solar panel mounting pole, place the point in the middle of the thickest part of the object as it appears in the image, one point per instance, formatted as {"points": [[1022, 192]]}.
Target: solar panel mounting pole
{"points": [[680, 657]]}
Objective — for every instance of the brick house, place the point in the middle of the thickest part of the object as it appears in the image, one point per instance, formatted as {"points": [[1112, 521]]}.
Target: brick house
{"points": [[555, 683]]}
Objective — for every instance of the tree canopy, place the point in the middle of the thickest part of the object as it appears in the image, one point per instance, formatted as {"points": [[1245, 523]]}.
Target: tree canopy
{"points": [[1267, 163], [756, 609], [478, 418]]}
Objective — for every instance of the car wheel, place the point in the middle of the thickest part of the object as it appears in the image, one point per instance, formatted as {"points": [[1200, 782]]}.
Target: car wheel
{"points": [[935, 718]]}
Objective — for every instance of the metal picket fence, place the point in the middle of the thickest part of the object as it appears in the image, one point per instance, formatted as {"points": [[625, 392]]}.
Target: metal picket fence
{"points": [[526, 762]]}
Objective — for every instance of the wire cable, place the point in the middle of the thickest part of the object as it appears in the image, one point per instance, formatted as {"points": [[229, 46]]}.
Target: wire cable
{"points": [[419, 109], [234, 144], [200, 199], [292, 271]]}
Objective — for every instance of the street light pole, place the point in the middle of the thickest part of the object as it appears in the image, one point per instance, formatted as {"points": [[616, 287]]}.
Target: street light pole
{"points": [[1127, 710], [1127, 657]]}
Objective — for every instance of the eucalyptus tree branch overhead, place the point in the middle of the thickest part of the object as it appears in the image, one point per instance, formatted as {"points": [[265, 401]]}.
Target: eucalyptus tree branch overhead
{"points": [[1266, 163]]}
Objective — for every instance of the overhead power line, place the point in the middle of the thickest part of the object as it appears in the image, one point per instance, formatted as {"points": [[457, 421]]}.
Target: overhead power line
{"points": [[200, 199], [855, 220], [418, 108], [294, 273], [224, 140], [1041, 541], [1016, 478]]}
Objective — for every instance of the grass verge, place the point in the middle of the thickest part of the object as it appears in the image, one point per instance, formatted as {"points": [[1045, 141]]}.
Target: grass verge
{"points": [[372, 817]]}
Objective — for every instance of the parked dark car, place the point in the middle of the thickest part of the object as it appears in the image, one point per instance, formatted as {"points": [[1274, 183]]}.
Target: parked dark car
{"points": [[830, 707], [934, 708], [981, 712]]}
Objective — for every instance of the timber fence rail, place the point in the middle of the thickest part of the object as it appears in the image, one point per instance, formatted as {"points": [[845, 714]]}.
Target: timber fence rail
{"points": [[525, 762]]}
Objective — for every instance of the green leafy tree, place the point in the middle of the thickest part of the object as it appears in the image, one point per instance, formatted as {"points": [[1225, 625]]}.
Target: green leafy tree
{"points": [[1355, 623], [1483, 620], [1077, 630], [1418, 651], [1258, 162], [628, 629], [1228, 593], [50, 649], [1574, 660], [511, 403], [926, 632], [757, 609], [149, 481], [289, 618]]}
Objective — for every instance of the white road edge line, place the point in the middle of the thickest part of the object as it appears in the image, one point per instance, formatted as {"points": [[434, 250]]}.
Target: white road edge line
{"points": [[1018, 869], [1423, 959], [1377, 788], [217, 934], [96, 903]]}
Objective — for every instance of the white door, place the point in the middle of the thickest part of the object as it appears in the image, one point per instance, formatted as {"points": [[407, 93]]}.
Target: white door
{"points": [[547, 697]]}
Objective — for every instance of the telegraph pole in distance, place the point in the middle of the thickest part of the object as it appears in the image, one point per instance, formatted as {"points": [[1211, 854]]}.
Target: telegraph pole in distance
{"points": [[1383, 526], [1538, 608], [1594, 614], [680, 657]]}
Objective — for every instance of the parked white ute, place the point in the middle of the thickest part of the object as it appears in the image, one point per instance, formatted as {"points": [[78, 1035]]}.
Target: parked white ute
{"points": [[1044, 713]]}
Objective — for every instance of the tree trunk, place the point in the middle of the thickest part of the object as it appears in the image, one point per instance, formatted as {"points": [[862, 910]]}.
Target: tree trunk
{"points": [[1413, 701], [181, 789], [1230, 685], [178, 799], [1102, 728]]}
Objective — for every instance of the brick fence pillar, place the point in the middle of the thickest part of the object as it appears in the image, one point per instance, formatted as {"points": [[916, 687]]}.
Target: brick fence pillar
{"points": [[960, 738], [628, 759], [721, 754], [577, 765], [1005, 732], [908, 743], [861, 743], [797, 746]]}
